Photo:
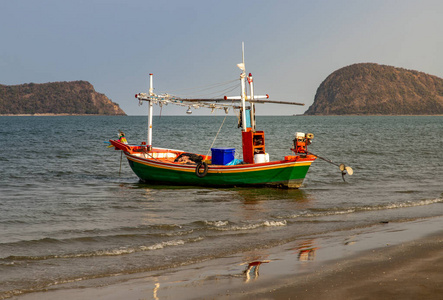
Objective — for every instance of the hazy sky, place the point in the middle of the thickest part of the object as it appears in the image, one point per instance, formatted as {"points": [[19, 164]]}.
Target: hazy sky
{"points": [[290, 46]]}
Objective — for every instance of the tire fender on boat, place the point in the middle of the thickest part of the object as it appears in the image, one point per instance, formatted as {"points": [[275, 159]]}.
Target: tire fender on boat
{"points": [[205, 169]]}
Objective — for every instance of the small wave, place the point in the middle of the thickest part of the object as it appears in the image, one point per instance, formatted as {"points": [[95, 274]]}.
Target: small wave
{"points": [[252, 226], [351, 210], [178, 233], [12, 221], [321, 214], [401, 205], [217, 223], [330, 213], [98, 236], [274, 223], [406, 192], [162, 226], [31, 243], [100, 253], [162, 245]]}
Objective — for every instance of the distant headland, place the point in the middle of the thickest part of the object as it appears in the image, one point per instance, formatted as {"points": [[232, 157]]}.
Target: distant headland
{"points": [[55, 98], [373, 89]]}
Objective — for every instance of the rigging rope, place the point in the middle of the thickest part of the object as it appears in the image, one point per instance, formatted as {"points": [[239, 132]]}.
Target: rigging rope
{"points": [[227, 91], [205, 90], [205, 87], [212, 94], [207, 154]]}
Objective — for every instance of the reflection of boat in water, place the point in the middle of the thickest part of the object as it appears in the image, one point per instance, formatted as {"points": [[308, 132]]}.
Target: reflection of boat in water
{"points": [[253, 269], [156, 288], [306, 251], [253, 196], [307, 254], [168, 166]]}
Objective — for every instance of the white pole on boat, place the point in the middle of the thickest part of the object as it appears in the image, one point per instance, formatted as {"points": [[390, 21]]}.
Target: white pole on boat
{"points": [[150, 112], [151, 84], [243, 87], [251, 87]]}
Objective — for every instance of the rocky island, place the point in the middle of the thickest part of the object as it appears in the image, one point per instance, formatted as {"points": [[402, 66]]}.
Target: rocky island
{"points": [[373, 89], [55, 98]]}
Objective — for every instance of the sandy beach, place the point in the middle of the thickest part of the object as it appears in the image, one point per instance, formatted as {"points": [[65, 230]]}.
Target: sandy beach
{"points": [[411, 270], [388, 261]]}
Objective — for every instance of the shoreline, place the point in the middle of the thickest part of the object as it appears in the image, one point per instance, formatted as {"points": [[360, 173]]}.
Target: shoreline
{"points": [[174, 115], [52, 115], [386, 261]]}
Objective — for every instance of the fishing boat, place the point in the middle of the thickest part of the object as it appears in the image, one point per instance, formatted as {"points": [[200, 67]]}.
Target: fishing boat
{"points": [[156, 165]]}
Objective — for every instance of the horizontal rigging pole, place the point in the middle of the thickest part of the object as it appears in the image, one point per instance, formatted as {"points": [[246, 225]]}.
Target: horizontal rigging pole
{"points": [[238, 100], [220, 100], [276, 102]]}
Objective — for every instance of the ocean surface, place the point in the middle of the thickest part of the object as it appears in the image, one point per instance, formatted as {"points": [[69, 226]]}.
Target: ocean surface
{"points": [[71, 210]]}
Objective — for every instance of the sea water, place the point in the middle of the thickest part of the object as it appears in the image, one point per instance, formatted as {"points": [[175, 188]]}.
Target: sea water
{"points": [[71, 209]]}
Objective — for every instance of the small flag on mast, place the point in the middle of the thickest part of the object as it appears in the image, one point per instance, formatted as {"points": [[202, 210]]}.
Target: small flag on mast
{"points": [[241, 66]]}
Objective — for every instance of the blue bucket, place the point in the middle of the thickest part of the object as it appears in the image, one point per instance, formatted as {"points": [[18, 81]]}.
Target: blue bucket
{"points": [[222, 156]]}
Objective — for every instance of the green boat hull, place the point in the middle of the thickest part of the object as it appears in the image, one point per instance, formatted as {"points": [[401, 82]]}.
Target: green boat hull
{"points": [[279, 174]]}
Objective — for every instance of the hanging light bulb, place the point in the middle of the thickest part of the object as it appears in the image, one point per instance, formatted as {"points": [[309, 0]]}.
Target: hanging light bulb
{"points": [[189, 111]]}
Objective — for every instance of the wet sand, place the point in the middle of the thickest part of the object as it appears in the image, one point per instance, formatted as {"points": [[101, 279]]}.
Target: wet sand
{"points": [[407, 271], [385, 261]]}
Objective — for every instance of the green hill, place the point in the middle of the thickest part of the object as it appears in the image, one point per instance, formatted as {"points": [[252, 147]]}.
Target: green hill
{"points": [[372, 89], [75, 97]]}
